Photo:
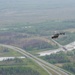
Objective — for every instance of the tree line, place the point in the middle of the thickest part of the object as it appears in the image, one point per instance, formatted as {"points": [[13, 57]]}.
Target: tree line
{"points": [[60, 57], [17, 71]]}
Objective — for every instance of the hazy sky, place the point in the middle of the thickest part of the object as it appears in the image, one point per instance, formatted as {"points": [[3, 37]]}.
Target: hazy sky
{"points": [[38, 10], [36, 3]]}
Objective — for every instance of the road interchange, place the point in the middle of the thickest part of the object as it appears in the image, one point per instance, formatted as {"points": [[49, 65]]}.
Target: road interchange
{"points": [[49, 68]]}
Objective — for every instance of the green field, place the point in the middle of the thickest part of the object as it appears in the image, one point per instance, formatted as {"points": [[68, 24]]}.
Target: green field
{"points": [[37, 36], [62, 60], [21, 63], [29, 24], [15, 64], [6, 52]]}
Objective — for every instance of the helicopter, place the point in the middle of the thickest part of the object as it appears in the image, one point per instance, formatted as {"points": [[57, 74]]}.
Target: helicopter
{"points": [[57, 35]]}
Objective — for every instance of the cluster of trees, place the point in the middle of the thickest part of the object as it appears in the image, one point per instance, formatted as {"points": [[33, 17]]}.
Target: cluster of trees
{"points": [[11, 62], [69, 67], [66, 59], [19, 36], [71, 53], [60, 57], [70, 37], [36, 44], [3, 50], [17, 71]]}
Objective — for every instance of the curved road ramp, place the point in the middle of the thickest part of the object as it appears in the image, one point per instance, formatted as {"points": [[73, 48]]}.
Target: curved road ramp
{"points": [[49, 68]]}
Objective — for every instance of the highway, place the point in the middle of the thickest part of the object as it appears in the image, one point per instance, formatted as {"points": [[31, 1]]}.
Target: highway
{"points": [[49, 68]]}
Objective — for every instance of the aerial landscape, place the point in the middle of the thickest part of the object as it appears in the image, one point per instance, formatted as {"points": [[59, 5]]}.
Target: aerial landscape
{"points": [[37, 37]]}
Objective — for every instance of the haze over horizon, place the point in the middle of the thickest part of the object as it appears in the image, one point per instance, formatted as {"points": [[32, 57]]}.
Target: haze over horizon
{"points": [[36, 10]]}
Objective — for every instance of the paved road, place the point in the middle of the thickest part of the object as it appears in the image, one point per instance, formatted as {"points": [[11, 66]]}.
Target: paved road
{"points": [[68, 47], [51, 69]]}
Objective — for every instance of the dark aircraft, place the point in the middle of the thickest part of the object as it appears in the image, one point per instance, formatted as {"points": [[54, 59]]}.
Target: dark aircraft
{"points": [[57, 35]]}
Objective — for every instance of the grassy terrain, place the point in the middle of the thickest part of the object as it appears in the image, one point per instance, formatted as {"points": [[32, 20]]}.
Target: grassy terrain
{"points": [[6, 52], [23, 63], [17, 62], [62, 60], [37, 36], [30, 25]]}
